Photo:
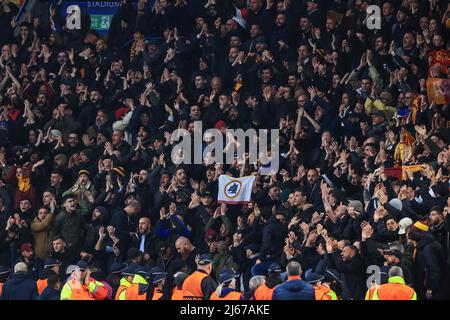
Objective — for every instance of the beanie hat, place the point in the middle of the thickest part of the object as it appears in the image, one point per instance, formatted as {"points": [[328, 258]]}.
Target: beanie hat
{"points": [[396, 203], [421, 225], [119, 170], [356, 205]]}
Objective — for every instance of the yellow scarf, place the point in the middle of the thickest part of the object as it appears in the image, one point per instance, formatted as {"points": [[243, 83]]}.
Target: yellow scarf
{"points": [[24, 184]]}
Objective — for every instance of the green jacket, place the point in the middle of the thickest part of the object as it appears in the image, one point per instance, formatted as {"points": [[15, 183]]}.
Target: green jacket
{"points": [[83, 201], [372, 106], [71, 226]]}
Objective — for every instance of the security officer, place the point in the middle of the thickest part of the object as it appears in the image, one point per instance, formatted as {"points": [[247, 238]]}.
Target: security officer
{"points": [[158, 282], [395, 289], [265, 291], [139, 285], [74, 289], [51, 266], [199, 285], [126, 281], [177, 293], [98, 289], [321, 290], [115, 270], [227, 287]]}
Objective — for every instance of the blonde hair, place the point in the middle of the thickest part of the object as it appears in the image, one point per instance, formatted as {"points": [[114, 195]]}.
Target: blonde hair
{"points": [[20, 267], [256, 281]]}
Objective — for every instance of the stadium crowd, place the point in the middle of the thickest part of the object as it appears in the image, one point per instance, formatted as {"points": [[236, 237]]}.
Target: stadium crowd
{"points": [[93, 207]]}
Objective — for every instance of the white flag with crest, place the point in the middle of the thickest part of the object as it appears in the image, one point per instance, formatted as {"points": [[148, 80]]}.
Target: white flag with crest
{"points": [[235, 190]]}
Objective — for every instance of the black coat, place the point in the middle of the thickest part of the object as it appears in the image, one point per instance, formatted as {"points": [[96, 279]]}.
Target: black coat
{"points": [[273, 237], [429, 261], [352, 275], [150, 244]]}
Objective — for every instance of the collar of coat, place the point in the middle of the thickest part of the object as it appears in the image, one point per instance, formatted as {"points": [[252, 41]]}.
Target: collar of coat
{"points": [[396, 279]]}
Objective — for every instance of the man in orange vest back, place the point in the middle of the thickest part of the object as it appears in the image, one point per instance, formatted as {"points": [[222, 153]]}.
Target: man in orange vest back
{"points": [[395, 289], [158, 281], [177, 293], [51, 266], [139, 286], [265, 291], [4, 276], [199, 285], [227, 287]]}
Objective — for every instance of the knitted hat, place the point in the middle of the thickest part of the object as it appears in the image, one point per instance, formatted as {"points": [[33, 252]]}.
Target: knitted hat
{"points": [[219, 124], [356, 205], [421, 225], [396, 203], [210, 235], [26, 246], [119, 170]]}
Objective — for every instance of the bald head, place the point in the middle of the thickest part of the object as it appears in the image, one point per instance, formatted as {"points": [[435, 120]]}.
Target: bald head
{"points": [[183, 246], [144, 225]]}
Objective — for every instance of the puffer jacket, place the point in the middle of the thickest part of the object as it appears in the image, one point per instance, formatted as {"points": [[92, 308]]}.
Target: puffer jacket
{"points": [[20, 287], [293, 290]]}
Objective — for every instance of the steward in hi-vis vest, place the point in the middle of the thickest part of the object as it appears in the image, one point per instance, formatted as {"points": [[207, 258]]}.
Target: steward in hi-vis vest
{"points": [[321, 290], [199, 285], [227, 287], [177, 292], [395, 289]]}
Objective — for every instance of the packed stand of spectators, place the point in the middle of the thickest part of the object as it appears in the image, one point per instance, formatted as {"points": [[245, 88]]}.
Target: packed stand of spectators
{"points": [[89, 190]]}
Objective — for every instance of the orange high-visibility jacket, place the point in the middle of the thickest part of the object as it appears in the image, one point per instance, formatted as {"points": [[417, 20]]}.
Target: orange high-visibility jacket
{"points": [[192, 286], [263, 292], [41, 285], [177, 294], [234, 295], [395, 289]]}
